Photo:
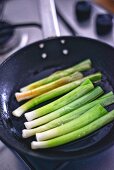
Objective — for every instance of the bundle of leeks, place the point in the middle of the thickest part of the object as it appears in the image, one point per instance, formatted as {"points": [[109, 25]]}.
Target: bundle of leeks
{"points": [[79, 112]]}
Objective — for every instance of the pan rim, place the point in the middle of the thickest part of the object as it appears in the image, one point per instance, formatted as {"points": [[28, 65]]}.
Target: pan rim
{"points": [[53, 38], [52, 156]]}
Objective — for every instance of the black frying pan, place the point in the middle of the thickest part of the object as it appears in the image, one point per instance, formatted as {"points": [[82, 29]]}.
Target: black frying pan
{"points": [[28, 65]]}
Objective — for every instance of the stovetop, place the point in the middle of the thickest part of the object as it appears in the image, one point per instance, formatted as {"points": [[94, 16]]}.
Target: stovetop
{"points": [[25, 11], [21, 11], [86, 29]]}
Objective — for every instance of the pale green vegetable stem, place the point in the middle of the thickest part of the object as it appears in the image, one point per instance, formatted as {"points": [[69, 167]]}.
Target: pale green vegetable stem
{"points": [[84, 131], [68, 98], [54, 93], [105, 100], [86, 118], [92, 95], [82, 66]]}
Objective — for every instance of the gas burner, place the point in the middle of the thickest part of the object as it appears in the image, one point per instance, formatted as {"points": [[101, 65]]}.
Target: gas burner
{"points": [[9, 38]]}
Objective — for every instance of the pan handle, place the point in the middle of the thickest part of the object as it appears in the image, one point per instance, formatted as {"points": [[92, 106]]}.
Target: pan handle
{"points": [[49, 20]]}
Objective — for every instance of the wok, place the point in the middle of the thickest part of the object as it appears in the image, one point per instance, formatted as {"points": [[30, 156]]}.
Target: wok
{"points": [[38, 60]]}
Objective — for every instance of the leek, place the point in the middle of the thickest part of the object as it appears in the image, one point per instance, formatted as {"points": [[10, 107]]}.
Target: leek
{"points": [[78, 92], [88, 117], [92, 95], [84, 65], [84, 131], [54, 93], [105, 100], [45, 88]]}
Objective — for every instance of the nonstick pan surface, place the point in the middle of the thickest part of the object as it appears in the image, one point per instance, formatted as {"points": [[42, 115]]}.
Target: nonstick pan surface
{"points": [[37, 61]]}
